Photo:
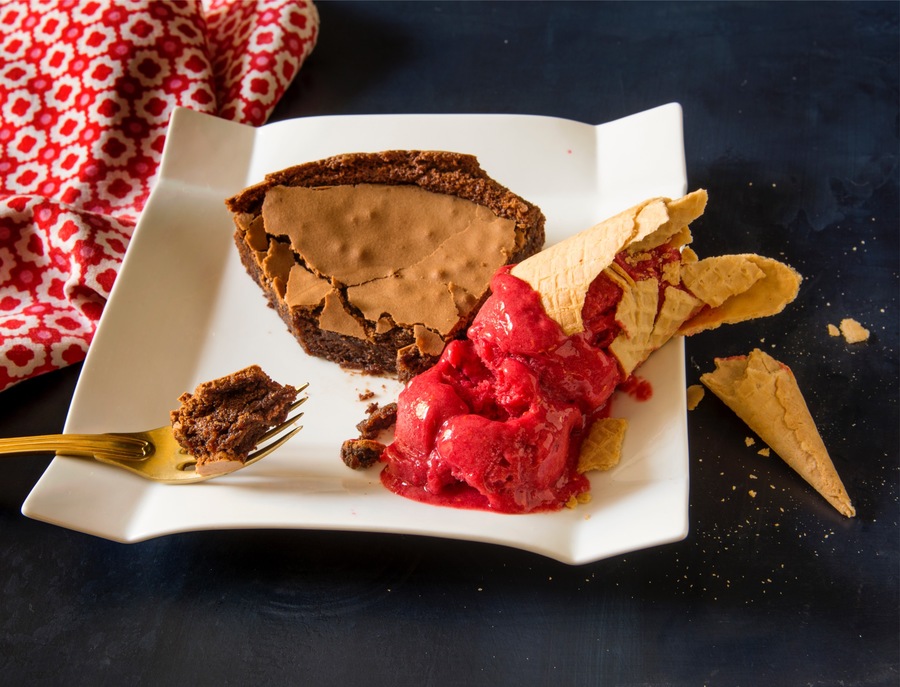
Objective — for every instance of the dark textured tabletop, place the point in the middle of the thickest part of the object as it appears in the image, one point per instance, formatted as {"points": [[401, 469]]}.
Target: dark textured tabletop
{"points": [[791, 123]]}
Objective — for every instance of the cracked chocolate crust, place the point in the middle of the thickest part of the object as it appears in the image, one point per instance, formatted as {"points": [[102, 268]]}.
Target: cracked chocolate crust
{"points": [[393, 352]]}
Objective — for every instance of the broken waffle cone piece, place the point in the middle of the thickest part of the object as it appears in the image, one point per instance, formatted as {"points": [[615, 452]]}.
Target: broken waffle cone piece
{"points": [[602, 447], [738, 288], [764, 393]]}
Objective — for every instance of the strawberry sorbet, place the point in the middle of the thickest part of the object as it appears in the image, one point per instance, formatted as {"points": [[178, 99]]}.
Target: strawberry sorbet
{"points": [[497, 423]]}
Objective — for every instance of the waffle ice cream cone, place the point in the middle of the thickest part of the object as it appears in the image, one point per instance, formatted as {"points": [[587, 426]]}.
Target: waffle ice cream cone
{"points": [[562, 273], [697, 295], [764, 393]]}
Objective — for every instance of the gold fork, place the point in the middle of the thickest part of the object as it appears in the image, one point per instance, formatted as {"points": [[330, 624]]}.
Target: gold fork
{"points": [[154, 454]]}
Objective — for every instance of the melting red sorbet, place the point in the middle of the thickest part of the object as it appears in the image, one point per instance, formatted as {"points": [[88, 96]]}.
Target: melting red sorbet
{"points": [[497, 423]]}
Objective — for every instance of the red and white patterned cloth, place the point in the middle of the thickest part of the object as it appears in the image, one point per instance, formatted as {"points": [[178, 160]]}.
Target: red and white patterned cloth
{"points": [[86, 91]]}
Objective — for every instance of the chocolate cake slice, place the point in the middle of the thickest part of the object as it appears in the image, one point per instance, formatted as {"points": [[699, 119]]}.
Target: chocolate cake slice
{"points": [[376, 260]]}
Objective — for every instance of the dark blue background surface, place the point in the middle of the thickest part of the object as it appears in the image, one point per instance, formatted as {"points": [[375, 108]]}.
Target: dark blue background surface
{"points": [[791, 123]]}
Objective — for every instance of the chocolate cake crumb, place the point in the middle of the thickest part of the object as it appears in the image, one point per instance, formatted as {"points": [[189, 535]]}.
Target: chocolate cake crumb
{"points": [[361, 453], [380, 419]]}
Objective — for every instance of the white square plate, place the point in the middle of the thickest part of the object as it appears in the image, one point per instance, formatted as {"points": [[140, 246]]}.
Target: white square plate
{"points": [[184, 311]]}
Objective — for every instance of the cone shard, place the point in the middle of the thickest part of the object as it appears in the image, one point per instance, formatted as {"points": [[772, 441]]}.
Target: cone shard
{"points": [[738, 288]]}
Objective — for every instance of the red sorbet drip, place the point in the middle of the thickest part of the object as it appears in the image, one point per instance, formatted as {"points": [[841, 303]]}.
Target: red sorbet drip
{"points": [[637, 387], [497, 423]]}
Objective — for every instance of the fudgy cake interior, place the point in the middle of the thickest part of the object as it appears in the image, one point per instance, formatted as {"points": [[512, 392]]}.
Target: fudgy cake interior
{"points": [[376, 260], [221, 422]]}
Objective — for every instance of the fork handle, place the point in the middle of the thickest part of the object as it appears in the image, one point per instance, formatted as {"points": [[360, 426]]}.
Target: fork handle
{"points": [[86, 445]]}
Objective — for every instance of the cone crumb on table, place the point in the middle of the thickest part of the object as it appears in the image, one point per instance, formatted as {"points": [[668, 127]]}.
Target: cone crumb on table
{"points": [[852, 331]]}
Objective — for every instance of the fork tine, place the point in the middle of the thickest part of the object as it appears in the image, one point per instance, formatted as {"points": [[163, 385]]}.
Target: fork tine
{"points": [[275, 431], [266, 450], [278, 429]]}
